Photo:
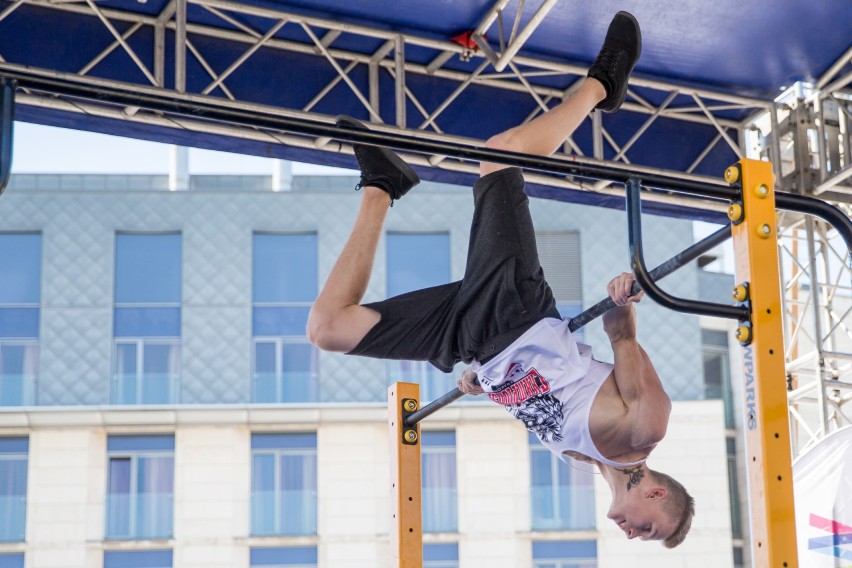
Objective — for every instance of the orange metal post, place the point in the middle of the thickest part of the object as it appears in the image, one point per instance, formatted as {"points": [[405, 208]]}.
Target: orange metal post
{"points": [[773, 528], [406, 528]]}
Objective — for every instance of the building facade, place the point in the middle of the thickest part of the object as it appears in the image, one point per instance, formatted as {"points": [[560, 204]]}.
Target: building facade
{"points": [[161, 406]]}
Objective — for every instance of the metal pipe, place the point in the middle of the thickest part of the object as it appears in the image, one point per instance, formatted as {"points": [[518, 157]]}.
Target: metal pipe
{"points": [[7, 125], [634, 233], [681, 259]]}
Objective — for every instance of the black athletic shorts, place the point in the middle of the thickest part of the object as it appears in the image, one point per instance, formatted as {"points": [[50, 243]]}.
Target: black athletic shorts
{"points": [[502, 294]]}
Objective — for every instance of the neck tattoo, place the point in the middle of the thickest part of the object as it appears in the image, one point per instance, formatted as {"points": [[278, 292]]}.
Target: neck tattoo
{"points": [[636, 474]]}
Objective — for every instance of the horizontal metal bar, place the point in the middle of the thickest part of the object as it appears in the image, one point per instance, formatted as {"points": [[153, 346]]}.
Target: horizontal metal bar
{"points": [[637, 259], [681, 259], [216, 111]]}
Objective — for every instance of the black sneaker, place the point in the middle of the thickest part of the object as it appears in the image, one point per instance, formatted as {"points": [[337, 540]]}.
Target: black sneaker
{"points": [[616, 60], [379, 166]]}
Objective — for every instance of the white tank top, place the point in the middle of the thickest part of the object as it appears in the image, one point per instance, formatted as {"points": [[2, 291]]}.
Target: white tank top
{"points": [[549, 382]]}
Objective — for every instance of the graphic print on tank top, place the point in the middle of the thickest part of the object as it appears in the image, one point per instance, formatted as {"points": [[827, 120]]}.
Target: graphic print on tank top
{"points": [[526, 396]]}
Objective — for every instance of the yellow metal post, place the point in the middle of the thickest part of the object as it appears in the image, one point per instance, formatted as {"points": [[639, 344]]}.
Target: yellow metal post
{"points": [[406, 528], [773, 528]]}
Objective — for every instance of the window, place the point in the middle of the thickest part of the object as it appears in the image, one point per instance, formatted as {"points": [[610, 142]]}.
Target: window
{"points": [[284, 556], [146, 358], [439, 481], [417, 261], [284, 287], [717, 370], [565, 554], [733, 488], [441, 555], [283, 484], [20, 298], [140, 487], [13, 560], [559, 256], [138, 559], [13, 489], [563, 495]]}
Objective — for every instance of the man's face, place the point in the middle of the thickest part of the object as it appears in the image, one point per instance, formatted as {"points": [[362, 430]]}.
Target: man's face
{"points": [[643, 515]]}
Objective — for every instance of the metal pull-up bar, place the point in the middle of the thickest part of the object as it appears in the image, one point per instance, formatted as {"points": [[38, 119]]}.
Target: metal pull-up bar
{"points": [[677, 261]]}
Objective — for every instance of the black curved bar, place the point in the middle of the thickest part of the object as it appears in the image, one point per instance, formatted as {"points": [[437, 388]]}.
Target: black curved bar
{"points": [[819, 208], [682, 258], [7, 125], [637, 260]]}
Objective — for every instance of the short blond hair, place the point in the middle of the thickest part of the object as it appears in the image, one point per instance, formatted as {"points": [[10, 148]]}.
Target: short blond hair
{"points": [[679, 505]]}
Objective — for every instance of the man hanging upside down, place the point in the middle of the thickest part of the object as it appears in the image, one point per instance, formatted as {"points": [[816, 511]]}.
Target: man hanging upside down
{"points": [[502, 318]]}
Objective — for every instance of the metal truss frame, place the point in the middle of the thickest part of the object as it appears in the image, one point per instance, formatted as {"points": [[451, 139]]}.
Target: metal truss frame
{"points": [[500, 68], [811, 132]]}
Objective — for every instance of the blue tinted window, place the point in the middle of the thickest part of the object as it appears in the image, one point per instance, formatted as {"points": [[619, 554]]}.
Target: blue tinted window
{"points": [[565, 550], [276, 322], [283, 441], [14, 560], [147, 268], [285, 268], [18, 372], [140, 443], [284, 484], [562, 497], [440, 555], [138, 559], [13, 490], [140, 487], [438, 471], [417, 261], [147, 322], [20, 257], [19, 322], [302, 556]]}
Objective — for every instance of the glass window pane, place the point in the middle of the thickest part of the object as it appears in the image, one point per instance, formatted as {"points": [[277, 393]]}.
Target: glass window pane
{"points": [[19, 323], [297, 493], [12, 560], [138, 559], [147, 268], [18, 373], [147, 322], [125, 382], [265, 376], [13, 495], [301, 556], [20, 257], [299, 372], [438, 470], [263, 494], [417, 261], [154, 485], [118, 498], [160, 368], [285, 268], [277, 322]]}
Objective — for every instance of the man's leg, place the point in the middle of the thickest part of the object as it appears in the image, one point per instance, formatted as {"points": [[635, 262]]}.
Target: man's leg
{"points": [[604, 88], [337, 322]]}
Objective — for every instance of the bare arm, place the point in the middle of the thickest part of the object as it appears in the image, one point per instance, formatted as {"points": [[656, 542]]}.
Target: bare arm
{"points": [[648, 405]]}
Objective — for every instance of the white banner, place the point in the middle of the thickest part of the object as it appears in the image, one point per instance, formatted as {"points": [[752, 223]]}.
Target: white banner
{"points": [[822, 481]]}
